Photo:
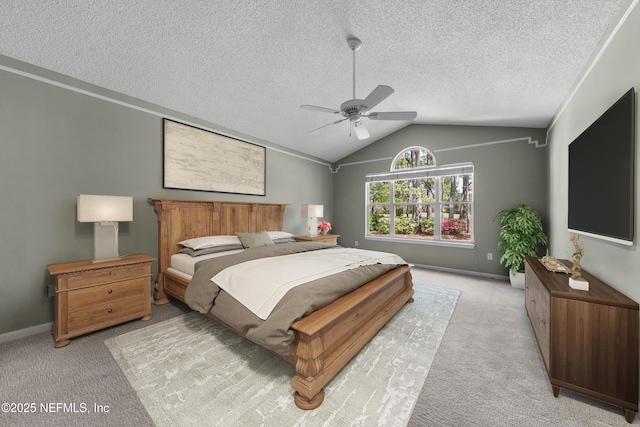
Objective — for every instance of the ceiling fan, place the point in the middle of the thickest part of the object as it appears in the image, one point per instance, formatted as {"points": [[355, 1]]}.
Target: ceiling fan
{"points": [[355, 110]]}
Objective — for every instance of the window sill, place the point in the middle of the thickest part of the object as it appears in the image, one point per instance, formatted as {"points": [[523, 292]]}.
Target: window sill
{"points": [[426, 242]]}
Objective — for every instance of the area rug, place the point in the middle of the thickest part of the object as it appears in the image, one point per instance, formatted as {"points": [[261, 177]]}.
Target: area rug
{"points": [[189, 370]]}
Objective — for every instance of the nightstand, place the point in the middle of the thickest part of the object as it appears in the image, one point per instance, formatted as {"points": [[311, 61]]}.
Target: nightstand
{"points": [[91, 296], [326, 238]]}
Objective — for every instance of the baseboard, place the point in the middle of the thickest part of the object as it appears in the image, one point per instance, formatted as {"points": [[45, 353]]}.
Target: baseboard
{"points": [[465, 272], [21, 333]]}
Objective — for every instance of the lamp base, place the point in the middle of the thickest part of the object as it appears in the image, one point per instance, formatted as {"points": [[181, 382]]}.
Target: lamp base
{"points": [[98, 261], [312, 227], [105, 241]]}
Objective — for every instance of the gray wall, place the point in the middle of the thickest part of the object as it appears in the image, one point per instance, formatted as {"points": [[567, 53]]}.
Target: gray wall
{"points": [[616, 70], [58, 143], [505, 175]]}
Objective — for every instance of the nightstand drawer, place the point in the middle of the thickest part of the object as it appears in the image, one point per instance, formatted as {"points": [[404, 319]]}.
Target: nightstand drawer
{"points": [[110, 292], [74, 281], [93, 316]]}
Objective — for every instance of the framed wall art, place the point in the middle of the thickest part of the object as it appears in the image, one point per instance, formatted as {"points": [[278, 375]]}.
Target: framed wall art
{"points": [[197, 159]]}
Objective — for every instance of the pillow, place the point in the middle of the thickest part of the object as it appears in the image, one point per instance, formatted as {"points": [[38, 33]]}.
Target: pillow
{"points": [[213, 250], [279, 235], [210, 242], [284, 240], [255, 240]]}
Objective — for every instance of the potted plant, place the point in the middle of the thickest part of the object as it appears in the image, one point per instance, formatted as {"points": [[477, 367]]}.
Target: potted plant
{"points": [[521, 235]]}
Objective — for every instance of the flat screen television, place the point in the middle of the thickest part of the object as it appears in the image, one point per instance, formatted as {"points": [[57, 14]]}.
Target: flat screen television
{"points": [[602, 175]]}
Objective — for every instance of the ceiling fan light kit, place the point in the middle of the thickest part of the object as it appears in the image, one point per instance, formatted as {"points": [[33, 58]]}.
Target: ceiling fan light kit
{"points": [[355, 109]]}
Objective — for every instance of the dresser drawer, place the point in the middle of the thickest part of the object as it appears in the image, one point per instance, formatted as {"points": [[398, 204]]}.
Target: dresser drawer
{"points": [[109, 292], [538, 304], [101, 315], [104, 304], [84, 279], [541, 322]]}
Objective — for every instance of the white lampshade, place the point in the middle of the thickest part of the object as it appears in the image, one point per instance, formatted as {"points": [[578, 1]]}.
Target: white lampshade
{"points": [[312, 211], [105, 212], [92, 208]]}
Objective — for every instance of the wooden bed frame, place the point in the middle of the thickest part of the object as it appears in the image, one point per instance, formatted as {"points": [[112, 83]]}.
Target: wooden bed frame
{"points": [[327, 339]]}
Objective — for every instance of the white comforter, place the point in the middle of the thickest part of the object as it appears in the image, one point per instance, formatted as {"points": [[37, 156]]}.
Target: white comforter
{"points": [[260, 284]]}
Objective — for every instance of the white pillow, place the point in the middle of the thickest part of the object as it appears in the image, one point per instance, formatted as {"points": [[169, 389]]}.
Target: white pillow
{"points": [[210, 242], [279, 235]]}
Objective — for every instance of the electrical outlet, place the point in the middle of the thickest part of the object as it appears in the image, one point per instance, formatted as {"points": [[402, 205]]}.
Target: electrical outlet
{"points": [[356, 243], [489, 256]]}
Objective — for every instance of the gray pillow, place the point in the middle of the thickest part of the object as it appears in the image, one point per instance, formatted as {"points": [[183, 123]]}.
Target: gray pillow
{"points": [[284, 240], [254, 240]]}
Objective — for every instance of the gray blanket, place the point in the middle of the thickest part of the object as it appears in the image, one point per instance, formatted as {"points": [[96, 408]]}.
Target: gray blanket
{"points": [[275, 332]]}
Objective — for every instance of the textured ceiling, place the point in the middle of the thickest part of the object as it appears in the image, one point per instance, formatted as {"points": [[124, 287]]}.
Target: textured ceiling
{"points": [[249, 65]]}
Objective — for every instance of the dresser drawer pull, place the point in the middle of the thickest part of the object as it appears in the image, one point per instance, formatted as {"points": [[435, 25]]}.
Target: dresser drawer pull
{"points": [[109, 310], [533, 300], [544, 322], [110, 291]]}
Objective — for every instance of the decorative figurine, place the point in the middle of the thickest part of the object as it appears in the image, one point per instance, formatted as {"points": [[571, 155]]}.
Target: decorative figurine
{"points": [[576, 281]]}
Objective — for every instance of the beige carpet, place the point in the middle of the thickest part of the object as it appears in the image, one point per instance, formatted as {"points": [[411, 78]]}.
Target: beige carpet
{"points": [[191, 371]]}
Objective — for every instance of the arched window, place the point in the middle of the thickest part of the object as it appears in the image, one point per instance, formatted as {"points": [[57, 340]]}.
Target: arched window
{"points": [[419, 202], [413, 157]]}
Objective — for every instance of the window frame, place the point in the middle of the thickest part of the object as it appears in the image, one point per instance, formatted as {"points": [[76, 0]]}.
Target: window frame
{"points": [[425, 172]]}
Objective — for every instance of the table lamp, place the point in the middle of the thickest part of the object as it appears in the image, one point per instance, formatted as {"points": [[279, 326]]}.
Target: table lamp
{"points": [[312, 213], [105, 212]]}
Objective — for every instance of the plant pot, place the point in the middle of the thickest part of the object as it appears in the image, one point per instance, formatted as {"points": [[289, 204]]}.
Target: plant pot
{"points": [[517, 281]]}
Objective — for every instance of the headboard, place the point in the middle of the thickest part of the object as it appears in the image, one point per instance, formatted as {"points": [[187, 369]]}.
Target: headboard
{"points": [[181, 219]]}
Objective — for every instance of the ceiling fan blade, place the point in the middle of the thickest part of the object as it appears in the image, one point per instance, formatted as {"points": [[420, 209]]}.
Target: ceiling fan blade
{"points": [[360, 129], [321, 109], [328, 124], [378, 95], [397, 115]]}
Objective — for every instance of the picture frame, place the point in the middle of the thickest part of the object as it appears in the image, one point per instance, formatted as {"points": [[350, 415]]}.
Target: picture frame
{"points": [[202, 160]]}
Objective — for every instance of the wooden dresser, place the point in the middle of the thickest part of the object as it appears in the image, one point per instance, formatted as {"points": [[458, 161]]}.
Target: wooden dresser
{"points": [[91, 296], [588, 339]]}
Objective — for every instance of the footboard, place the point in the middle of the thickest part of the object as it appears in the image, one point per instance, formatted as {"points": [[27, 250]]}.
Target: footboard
{"points": [[327, 339]]}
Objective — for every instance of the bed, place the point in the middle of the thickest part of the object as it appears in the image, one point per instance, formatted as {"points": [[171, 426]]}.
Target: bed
{"points": [[324, 340]]}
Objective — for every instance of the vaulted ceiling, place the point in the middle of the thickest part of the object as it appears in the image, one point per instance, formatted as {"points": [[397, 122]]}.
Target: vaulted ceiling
{"points": [[248, 65]]}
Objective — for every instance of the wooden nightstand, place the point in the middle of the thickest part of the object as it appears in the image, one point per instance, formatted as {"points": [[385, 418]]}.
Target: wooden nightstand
{"points": [[91, 296], [326, 238]]}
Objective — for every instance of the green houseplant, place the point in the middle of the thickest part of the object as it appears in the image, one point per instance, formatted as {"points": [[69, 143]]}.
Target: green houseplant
{"points": [[521, 235]]}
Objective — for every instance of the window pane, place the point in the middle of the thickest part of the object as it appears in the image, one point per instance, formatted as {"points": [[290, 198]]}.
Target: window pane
{"points": [[414, 158], [455, 222], [414, 190], [379, 220], [380, 192], [456, 188], [414, 221]]}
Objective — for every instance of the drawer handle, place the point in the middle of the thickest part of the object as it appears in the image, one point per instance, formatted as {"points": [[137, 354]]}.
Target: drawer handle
{"points": [[544, 322], [533, 300], [109, 310], [110, 291]]}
